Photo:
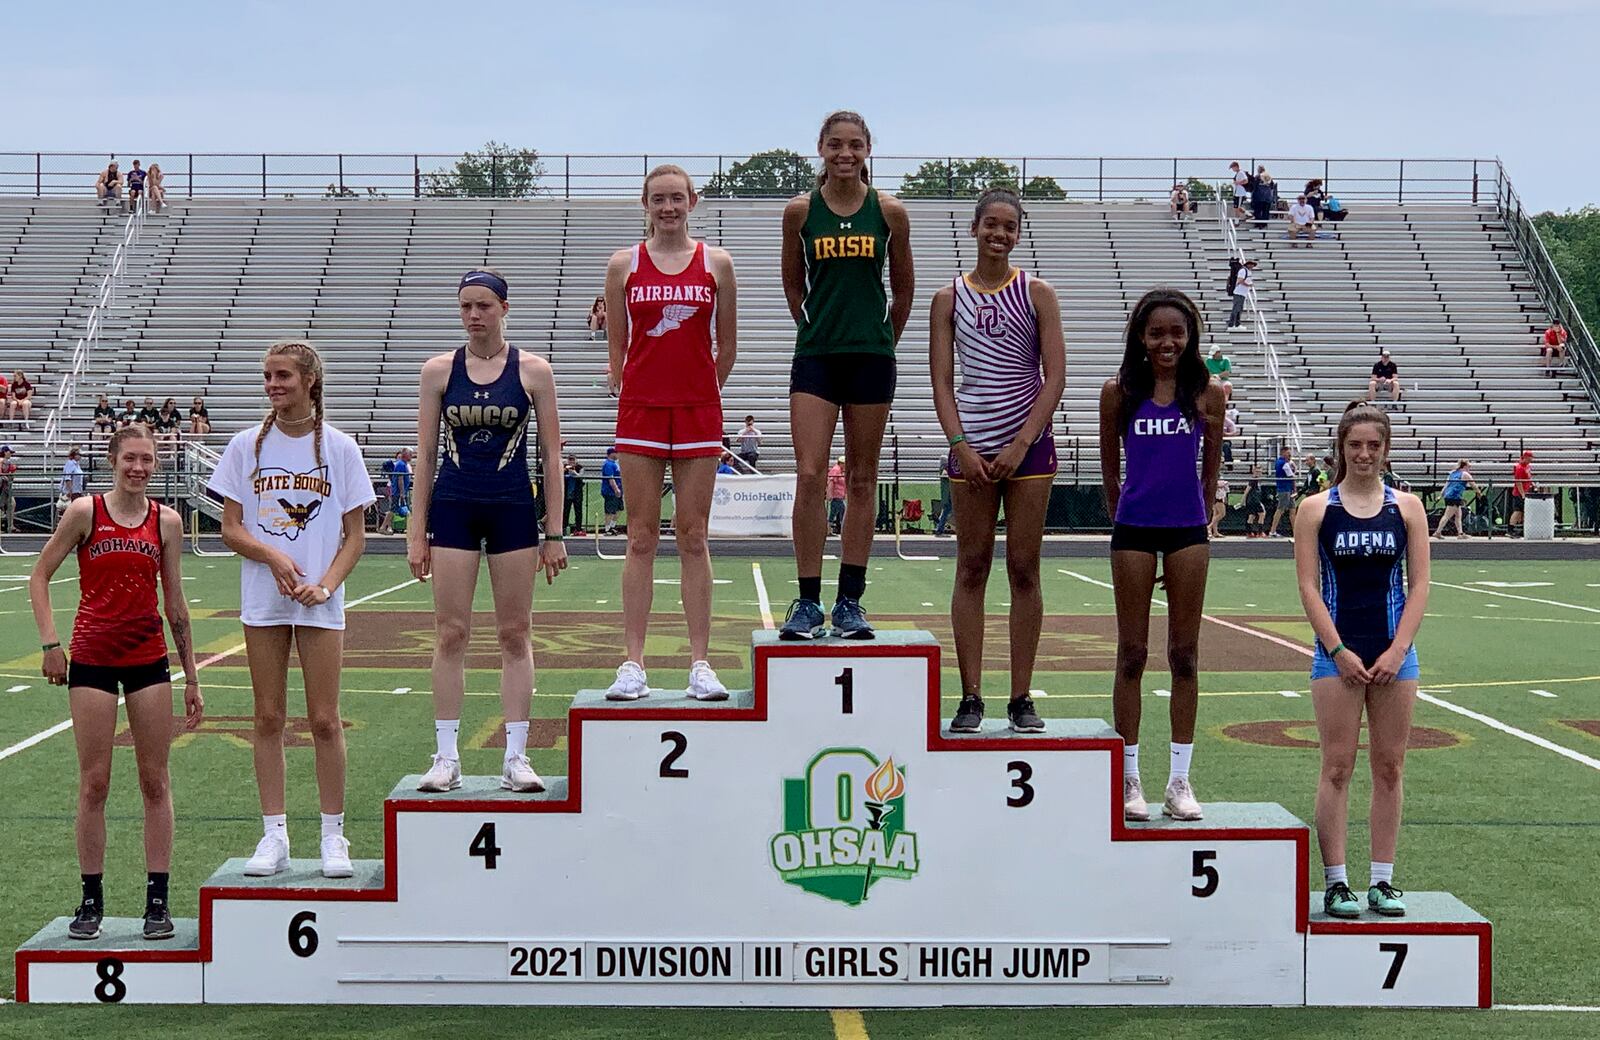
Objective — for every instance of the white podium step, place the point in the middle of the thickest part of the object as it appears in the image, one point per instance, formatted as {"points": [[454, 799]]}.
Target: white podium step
{"points": [[1438, 955], [120, 967]]}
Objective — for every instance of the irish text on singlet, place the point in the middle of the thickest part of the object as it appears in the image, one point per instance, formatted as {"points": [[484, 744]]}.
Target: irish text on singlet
{"points": [[846, 309], [485, 435], [1162, 486], [997, 347], [1363, 574], [670, 322], [118, 623]]}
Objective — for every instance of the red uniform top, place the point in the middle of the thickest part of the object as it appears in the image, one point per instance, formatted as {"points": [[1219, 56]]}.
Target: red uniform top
{"points": [[670, 316], [1522, 474], [1554, 336], [118, 623]]}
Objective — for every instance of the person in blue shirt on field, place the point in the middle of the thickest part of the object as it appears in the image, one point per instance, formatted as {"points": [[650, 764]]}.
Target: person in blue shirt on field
{"points": [[611, 490], [399, 471], [1455, 496], [1283, 473]]}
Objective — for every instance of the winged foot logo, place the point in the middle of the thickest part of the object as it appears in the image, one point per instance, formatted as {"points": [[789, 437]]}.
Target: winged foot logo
{"points": [[844, 826]]}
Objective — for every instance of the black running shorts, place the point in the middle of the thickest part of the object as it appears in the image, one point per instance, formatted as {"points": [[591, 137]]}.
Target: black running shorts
{"points": [[844, 378], [1156, 540], [108, 677]]}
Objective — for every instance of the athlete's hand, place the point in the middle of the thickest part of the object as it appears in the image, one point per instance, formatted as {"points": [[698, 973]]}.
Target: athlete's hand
{"points": [[1005, 464], [1351, 670], [1388, 665], [613, 382], [285, 572], [54, 667], [419, 555], [310, 595], [552, 559], [973, 469], [194, 705]]}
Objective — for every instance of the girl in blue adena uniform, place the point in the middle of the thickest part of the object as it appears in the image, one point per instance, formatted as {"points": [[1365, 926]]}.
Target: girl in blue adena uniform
{"points": [[1361, 557]]}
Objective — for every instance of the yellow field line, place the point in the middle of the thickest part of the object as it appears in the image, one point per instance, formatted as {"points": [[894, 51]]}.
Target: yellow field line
{"points": [[848, 1025]]}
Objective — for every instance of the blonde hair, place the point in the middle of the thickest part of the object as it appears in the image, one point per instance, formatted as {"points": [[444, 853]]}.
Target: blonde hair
{"points": [[664, 170], [309, 362], [130, 432]]}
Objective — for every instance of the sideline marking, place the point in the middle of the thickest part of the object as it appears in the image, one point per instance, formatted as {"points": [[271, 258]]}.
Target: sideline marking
{"points": [[761, 596], [848, 1025], [177, 676], [1510, 595], [1580, 1008], [1158, 601], [1541, 693]]}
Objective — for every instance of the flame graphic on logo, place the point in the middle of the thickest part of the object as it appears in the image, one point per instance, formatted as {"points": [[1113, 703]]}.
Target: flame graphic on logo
{"points": [[886, 784]]}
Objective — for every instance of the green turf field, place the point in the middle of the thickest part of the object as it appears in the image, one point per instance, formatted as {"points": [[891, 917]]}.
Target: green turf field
{"points": [[1511, 827]]}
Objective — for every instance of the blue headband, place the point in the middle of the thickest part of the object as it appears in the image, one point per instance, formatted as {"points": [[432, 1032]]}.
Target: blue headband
{"points": [[493, 282]]}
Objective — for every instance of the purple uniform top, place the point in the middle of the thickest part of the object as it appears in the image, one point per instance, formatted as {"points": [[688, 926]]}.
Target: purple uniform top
{"points": [[1162, 488]]}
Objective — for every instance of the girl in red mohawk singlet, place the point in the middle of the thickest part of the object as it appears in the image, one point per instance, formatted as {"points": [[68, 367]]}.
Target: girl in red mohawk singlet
{"points": [[125, 544]]}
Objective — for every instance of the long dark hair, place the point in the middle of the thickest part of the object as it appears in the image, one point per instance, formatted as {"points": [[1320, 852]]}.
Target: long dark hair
{"points": [[1356, 413], [1137, 377]]}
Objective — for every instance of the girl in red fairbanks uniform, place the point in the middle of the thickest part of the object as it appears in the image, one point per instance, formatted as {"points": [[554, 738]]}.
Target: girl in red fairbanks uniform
{"points": [[125, 543], [678, 296]]}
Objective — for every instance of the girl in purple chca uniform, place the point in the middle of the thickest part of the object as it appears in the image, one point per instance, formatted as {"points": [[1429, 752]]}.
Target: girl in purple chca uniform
{"points": [[1162, 409]]}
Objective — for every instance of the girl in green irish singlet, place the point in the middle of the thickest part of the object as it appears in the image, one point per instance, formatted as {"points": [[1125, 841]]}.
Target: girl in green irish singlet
{"points": [[835, 242]]}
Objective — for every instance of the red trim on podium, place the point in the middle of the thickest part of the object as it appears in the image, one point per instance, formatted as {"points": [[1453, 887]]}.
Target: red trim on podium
{"points": [[1484, 930], [89, 956]]}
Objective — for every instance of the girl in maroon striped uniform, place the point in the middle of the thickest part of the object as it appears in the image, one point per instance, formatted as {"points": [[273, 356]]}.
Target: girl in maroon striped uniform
{"points": [[125, 544]]}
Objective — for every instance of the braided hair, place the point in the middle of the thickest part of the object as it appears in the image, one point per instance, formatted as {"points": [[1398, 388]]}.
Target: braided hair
{"points": [[309, 362]]}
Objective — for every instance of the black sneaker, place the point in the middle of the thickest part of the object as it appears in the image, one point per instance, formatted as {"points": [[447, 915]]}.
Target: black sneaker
{"points": [[1024, 719], [804, 621], [969, 716], [849, 620], [86, 921], [157, 921]]}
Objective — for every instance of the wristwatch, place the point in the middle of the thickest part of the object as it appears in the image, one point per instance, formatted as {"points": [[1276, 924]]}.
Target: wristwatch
{"points": [[326, 592]]}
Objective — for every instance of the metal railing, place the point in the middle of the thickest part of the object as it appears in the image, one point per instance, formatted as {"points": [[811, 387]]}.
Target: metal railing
{"points": [[1258, 325], [1552, 290], [514, 174]]}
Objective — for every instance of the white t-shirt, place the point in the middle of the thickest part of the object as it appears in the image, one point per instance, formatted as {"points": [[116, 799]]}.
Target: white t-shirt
{"points": [[293, 505], [1302, 213], [1241, 285], [1240, 186]]}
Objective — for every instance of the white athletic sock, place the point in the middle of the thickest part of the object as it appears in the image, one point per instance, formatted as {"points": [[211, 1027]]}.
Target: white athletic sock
{"points": [[332, 823], [278, 825], [1382, 872], [1334, 875], [1181, 754], [1130, 760], [516, 739], [444, 734]]}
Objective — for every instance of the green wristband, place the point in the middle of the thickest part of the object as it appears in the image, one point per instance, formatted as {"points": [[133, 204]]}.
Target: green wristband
{"points": [[957, 439], [1335, 651], [50, 646]]}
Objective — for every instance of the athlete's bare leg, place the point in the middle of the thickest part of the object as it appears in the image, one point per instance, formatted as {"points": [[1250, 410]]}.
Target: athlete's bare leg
{"points": [[511, 576], [976, 507], [1186, 601], [1026, 502], [642, 480], [1388, 731], [267, 650], [812, 422], [455, 580], [150, 720], [1337, 705], [693, 481], [94, 724], [863, 441], [1133, 580], [321, 661]]}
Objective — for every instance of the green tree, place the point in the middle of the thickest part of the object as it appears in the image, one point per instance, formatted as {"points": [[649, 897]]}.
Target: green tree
{"points": [[1200, 191], [777, 173], [494, 171], [1573, 239], [969, 178], [1043, 188]]}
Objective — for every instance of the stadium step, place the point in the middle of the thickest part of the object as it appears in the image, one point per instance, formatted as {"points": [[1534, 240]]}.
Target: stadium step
{"points": [[1438, 955], [119, 967]]}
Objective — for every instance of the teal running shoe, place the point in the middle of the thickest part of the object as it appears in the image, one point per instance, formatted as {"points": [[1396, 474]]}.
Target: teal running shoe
{"points": [[1385, 899], [805, 621], [849, 620], [1339, 901]]}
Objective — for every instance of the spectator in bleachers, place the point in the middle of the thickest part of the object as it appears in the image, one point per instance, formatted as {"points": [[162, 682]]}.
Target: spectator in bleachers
{"points": [[199, 418], [149, 413], [1455, 496], [8, 476], [1333, 210], [1263, 197], [836, 495], [725, 464], [105, 419], [1241, 289], [1241, 189], [1521, 484], [156, 189], [1315, 195], [168, 422], [597, 318], [1221, 368], [72, 476], [1554, 347], [108, 188], [1385, 376], [750, 441], [136, 179], [1178, 204], [129, 414], [1302, 221], [19, 405], [611, 490]]}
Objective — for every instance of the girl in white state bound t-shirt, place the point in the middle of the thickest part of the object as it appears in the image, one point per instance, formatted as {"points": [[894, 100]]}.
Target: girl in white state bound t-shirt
{"points": [[295, 493]]}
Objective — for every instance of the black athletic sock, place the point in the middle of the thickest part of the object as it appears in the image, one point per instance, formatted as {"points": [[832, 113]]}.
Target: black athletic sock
{"points": [[92, 889], [155, 889], [852, 580], [811, 588]]}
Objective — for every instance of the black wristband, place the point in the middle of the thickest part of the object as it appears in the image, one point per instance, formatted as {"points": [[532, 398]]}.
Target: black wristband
{"points": [[47, 647], [555, 537]]}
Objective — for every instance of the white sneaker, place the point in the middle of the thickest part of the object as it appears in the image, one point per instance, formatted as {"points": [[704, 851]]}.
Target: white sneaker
{"points": [[704, 684], [518, 775], [630, 684], [1181, 803], [271, 857], [336, 857], [443, 775], [1133, 803]]}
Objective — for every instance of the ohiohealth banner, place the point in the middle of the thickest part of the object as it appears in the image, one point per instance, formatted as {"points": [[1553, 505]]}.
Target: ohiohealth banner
{"points": [[752, 505]]}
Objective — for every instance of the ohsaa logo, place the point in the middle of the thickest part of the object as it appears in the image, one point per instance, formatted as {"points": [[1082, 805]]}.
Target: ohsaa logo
{"points": [[844, 826]]}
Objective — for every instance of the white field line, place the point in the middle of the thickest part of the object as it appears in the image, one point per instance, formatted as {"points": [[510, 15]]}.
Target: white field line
{"points": [[1476, 716], [66, 724], [761, 597], [1583, 1008], [1511, 595]]}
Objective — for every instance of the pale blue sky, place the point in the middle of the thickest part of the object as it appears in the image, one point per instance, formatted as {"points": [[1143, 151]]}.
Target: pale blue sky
{"points": [[1413, 78]]}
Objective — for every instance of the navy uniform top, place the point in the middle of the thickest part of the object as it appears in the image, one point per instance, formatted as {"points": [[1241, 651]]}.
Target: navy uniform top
{"points": [[1363, 574], [486, 435]]}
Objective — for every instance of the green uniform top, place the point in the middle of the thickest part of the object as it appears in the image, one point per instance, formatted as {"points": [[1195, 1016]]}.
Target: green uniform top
{"points": [[846, 309]]}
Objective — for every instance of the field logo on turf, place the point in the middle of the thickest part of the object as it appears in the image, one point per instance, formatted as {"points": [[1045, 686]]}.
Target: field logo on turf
{"points": [[844, 826]]}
